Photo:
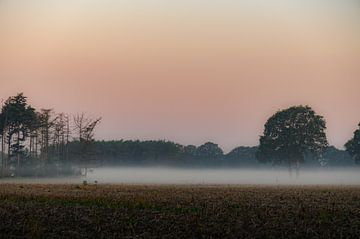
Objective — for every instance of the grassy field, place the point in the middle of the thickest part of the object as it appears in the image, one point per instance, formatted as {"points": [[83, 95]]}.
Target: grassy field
{"points": [[123, 211]]}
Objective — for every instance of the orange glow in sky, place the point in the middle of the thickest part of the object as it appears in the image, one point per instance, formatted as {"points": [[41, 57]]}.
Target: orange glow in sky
{"points": [[187, 71]]}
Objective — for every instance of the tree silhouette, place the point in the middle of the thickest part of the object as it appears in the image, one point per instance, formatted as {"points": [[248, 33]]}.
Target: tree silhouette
{"points": [[210, 151], [17, 118], [291, 134], [353, 146], [84, 128]]}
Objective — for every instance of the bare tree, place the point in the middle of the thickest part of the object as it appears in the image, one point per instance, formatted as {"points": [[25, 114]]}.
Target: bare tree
{"points": [[67, 137], [61, 136], [84, 127]]}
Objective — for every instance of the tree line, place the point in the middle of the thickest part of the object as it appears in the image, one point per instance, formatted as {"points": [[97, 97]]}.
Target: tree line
{"points": [[292, 137], [167, 153], [160, 152], [43, 142]]}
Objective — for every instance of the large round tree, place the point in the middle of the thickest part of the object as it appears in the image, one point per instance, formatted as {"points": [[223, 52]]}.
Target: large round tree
{"points": [[353, 146], [291, 134]]}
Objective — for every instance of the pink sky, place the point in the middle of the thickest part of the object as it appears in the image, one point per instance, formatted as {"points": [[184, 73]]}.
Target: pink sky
{"points": [[185, 71]]}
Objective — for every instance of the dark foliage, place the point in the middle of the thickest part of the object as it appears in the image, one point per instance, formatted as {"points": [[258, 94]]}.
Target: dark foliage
{"points": [[353, 146], [145, 153], [291, 134], [337, 158], [242, 156]]}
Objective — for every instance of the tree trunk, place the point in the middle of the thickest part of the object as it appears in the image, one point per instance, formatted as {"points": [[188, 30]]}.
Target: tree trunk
{"points": [[2, 154], [9, 151], [31, 145], [47, 139], [18, 152], [36, 145], [67, 140]]}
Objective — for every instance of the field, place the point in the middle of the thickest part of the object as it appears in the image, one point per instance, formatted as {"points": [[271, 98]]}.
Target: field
{"points": [[124, 211]]}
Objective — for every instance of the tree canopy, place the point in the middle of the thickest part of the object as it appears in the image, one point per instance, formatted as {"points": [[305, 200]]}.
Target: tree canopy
{"points": [[209, 150], [17, 117], [353, 146], [291, 134]]}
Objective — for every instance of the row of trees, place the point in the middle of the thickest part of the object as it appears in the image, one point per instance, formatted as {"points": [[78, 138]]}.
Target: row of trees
{"points": [[151, 153], [27, 136], [49, 143], [128, 152], [291, 137]]}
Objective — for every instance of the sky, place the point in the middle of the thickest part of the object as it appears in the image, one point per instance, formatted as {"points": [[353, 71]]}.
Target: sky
{"points": [[189, 71]]}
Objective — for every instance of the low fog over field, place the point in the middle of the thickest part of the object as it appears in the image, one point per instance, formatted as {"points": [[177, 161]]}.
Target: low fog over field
{"points": [[159, 175], [222, 176]]}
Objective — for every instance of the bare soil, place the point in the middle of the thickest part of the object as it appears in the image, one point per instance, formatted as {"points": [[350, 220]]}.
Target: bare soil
{"points": [[125, 211]]}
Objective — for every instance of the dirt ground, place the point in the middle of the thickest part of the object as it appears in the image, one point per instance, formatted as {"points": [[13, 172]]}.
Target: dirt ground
{"points": [[214, 211]]}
